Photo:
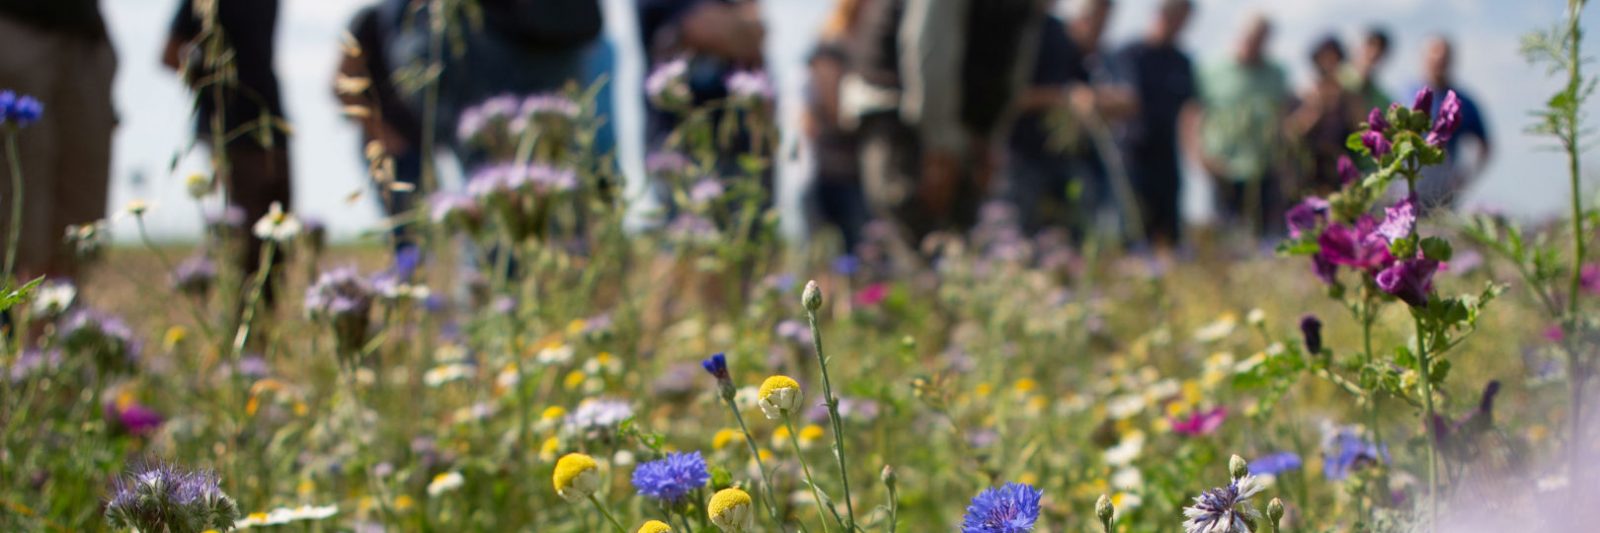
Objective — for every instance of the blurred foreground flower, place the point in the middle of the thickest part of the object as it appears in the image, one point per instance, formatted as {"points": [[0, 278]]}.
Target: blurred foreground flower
{"points": [[157, 497], [576, 477], [277, 226], [1012, 508]]}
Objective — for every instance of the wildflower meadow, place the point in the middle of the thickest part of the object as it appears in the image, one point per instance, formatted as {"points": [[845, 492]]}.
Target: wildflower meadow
{"points": [[531, 362]]}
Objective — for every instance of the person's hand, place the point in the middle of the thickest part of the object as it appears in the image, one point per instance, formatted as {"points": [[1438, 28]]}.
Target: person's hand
{"points": [[171, 54], [937, 188]]}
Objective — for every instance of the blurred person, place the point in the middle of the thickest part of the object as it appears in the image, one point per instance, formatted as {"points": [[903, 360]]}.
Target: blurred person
{"points": [[1325, 116], [1163, 81], [58, 52], [1050, 149], [836, 186], [1441, 185], [933, 83], [387, 121], [524, 48], [1244, 99], [241, 97], [1361, 77], [716, 38]]}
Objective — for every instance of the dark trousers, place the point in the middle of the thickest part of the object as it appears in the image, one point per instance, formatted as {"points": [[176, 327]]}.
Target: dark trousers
{"points": [[259, 177], [1159, 189], [843, 205], [1256, 205]]}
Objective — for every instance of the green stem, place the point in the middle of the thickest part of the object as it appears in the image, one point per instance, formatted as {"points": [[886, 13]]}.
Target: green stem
{"points": [[1575, 364], [1424, 369], [833, 416], [602, 508], [755, 453], [15, 230], [794, 441]]}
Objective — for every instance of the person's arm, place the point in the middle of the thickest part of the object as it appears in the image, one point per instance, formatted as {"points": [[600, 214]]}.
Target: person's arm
{"points": [[731, 31], [184, 28], [826, 73]]}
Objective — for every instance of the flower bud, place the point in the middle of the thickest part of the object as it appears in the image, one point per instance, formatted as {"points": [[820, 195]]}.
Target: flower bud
{"points": [[576, 477], [889, 477], [1311, 331], [779, 396], [732, 511], [1275, 512], [1237, 467], [655, 526], [1104, 510], [812, 297]]}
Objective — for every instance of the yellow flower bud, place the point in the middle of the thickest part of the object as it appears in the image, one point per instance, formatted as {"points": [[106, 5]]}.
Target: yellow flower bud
{"points": [[577, 476], [779, 395], [732, 511]]}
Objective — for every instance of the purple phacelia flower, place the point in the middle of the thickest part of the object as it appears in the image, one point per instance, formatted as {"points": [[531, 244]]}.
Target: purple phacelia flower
{"points": [[158, 497]]}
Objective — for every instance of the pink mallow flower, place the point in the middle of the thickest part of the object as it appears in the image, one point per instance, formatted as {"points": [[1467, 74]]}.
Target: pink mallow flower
{"points": [[1200, 423]]}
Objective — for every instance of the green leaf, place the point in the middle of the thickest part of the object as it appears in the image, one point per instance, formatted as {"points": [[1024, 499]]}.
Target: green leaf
{"points": [[1436, 248], [1440, 370], [11, 297]]}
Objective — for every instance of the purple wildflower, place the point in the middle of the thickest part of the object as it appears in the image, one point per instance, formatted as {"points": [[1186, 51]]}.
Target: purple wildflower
{"points": [[194, 275], [1449, 120], [749, 85], [1410, 280], [666, 162], [1346, 451], [158, 497], [1326, 270], [1399, 221], [342, 298], [1012, 508], [1589, 278], [1273, 464], [1375, 121], [1348, 173], [105, 337], [671, 479], [1423, 102], [1376, 143], [132, 418], [1311, 332], [668, 84], [1306, 216], [1357, 246], [1224, 509]]}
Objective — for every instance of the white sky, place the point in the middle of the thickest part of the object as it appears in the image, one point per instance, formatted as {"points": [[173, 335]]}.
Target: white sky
{"points": [[153, 107]]}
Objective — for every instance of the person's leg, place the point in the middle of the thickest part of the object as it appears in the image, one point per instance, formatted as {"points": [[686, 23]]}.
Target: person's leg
{"points": [[86, 120], [260, 178], [30, 62], [887, 152]]}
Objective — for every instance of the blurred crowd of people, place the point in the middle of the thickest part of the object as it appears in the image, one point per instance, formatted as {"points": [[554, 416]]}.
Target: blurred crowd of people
{"points": [[1084, 136], [916, 113]]}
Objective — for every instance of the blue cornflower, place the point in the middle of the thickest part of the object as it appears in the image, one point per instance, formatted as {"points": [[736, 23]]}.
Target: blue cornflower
{"points": [[671, 479], [717, 366], [21, 110], [1011, 508], [1224, 509], [1273, 464], [1347, 451]]}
